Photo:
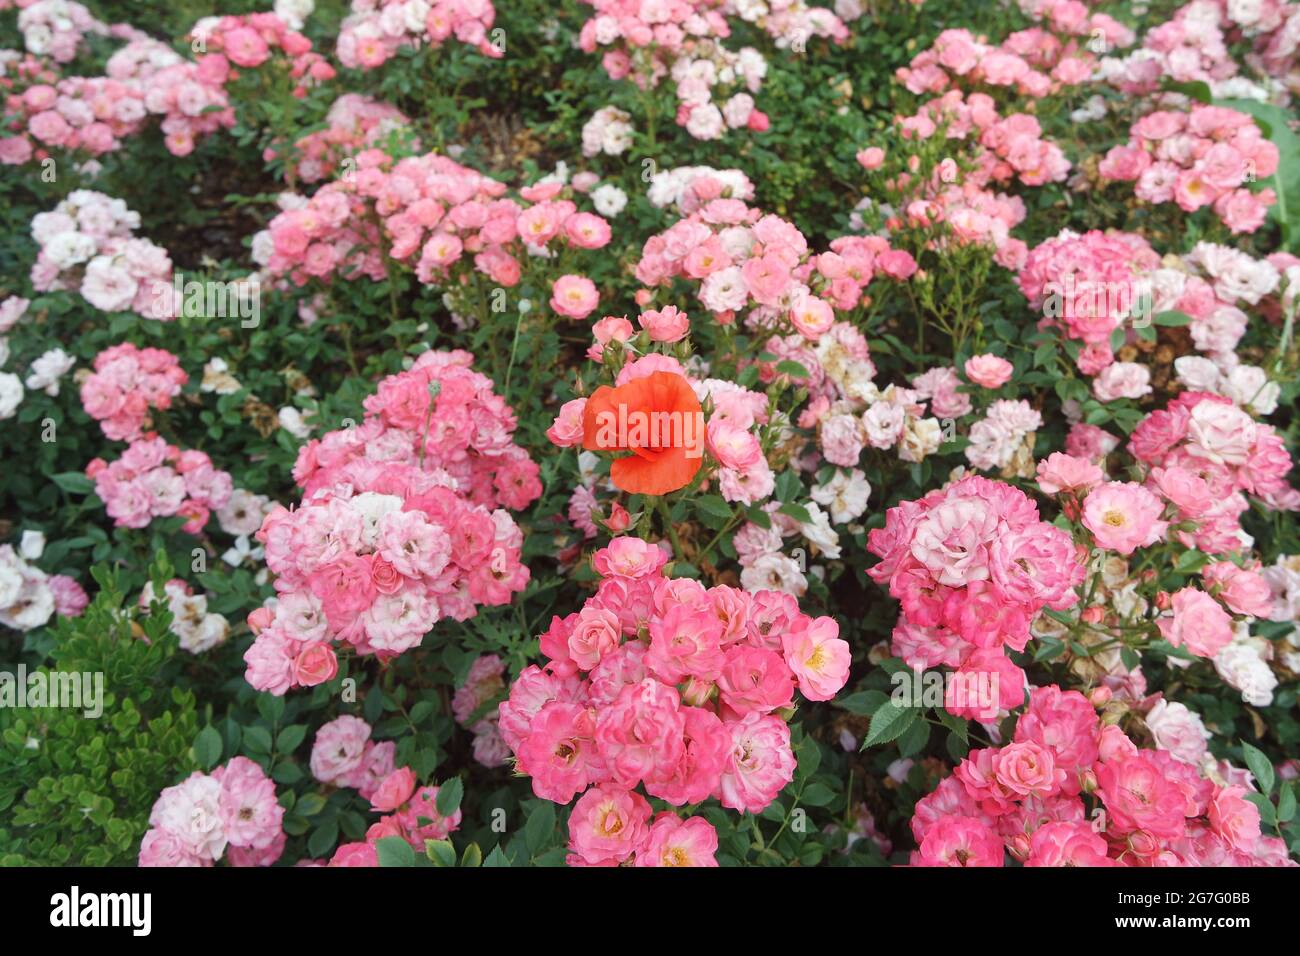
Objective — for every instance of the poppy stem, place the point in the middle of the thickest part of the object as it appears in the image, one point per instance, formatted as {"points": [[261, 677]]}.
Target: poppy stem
{"points": [[662, 508]]}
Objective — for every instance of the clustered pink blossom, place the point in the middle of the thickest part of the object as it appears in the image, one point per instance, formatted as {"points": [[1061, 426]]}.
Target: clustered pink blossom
{"points": [[153, 479], [484, 683], [87, 114], [650, 42], [353, 123], [1205, 454], [126, 383], [56, 28], [196, 628], [972, 564], [1273, 26], [376, 29], [344, 755], [1187, 48], [687, 188], [1204, 157], [87, 243], [233, 43], [1069, 790], [232, 811], [147, 77], [851, 412], [456, 219], [1033, 62], [29, 597], [189, 95], [439, 414], [395, 530], [1088, 286], [1012, 147], [665, 684], [1004, 437], [744, 260], [375, 562]]}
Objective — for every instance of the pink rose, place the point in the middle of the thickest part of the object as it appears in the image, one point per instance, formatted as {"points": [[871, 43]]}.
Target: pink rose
{"points": [[988, 371]]}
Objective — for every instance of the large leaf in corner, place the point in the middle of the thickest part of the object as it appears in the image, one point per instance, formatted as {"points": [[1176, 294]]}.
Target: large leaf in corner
{"points": [[1272, 121]]}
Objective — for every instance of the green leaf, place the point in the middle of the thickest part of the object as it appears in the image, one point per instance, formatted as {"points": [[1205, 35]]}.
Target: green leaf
{"points": [[420, 711], [817, 795], [440, 852], [889, 723], [796, 511], [207, 748], [1286, 803], [1172, 319], [449, 797], [496, 858], [289, 739], [394, 851], [792, 368], [863, 702], [311, 804], [914, 739], [1267, 815], [257, 740], [1260, 767], [540, 828], [713, 506], [323, 838], [472, 856], [958, 725], [73, 482]]}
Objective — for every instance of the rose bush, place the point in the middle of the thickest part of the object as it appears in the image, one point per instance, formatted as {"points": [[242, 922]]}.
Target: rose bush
{"points": [[650, 433]]}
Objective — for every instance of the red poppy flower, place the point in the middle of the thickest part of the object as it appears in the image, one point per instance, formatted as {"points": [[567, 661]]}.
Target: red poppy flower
{"points": [[659, 420]]}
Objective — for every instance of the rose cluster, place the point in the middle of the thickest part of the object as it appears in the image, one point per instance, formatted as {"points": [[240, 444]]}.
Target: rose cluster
{"points": [[1088, 286], [1072, 790], [456, 219], [439, 414], [666, 684], [1203, 157], [57, 28], [376, 29], [650, 42], [197, 628], [743, 259], [353, 123], [1010, 147], [1206, 438], [344, 755], [88, 244], [1033, 62], [232, 811], [484, 684], [126, 383], [972, 564], [374, 562], [28, 596], [190, 96], [233, 43], [87, 114], [153, 479]]}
